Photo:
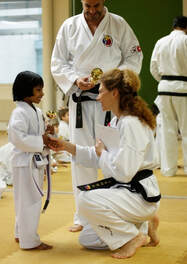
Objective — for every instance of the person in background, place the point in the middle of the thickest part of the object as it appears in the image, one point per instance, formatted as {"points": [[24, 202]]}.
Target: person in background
{"points": [[26, 131], [63, 129], [121, 210], [93, 39], [168, 66]]}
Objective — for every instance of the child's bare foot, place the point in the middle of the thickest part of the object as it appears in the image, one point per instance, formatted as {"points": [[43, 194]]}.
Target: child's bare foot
{"points": [[42, 246], [17, 239], [75, 228], [152, 232], [129, 249]]}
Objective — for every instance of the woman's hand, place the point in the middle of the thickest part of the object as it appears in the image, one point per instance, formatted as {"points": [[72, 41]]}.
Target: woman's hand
{"points": [[99, 147], [55, 144]]}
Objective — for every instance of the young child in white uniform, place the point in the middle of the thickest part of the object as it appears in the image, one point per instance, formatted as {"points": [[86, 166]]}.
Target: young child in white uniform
{"points": [[121, 216], [63, 132], [26, 131]]}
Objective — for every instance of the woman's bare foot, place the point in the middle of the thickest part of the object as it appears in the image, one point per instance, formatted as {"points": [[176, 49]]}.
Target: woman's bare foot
{"points": [[129, 249], [152, 232], [75, 228], [42, 246]]}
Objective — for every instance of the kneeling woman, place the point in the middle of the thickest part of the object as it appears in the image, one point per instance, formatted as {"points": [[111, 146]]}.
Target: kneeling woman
{"points": [[122, 217]]}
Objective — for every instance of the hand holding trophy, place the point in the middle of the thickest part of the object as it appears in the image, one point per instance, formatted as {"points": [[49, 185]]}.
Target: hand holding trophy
{"points": [[95, 75]]}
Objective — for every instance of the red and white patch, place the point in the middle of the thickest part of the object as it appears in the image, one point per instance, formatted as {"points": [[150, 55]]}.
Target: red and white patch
{"points": [[135, 49]]}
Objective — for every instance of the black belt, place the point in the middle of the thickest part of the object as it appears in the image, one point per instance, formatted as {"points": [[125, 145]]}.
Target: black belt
{"points": [[174, 78], [172, 94], [134, 185], [83, 98]]}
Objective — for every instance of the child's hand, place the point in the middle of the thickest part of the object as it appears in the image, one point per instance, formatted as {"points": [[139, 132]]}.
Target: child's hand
{"points": [[50, 130]]}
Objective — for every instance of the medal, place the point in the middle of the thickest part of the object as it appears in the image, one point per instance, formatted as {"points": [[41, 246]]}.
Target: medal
{"points": [[95, 75]]}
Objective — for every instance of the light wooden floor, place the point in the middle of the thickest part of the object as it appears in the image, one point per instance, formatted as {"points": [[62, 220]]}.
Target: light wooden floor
{"points": [[54, 225]]}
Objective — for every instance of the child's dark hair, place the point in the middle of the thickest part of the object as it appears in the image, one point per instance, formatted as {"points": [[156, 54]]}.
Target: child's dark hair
{"points": [[24, 83], [62, 112]]}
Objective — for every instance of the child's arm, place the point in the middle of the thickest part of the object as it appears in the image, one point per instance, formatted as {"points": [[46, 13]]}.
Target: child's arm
{"points": [[19, 133]]}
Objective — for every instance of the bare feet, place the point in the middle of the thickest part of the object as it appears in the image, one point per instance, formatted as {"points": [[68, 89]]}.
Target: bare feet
{"points": [[129, 249], [152, 232], [75, 228], [42, 246]]}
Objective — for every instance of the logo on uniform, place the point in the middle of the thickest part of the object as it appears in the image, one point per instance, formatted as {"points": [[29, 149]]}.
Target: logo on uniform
{"points": [[135, 49], [107, 40]]}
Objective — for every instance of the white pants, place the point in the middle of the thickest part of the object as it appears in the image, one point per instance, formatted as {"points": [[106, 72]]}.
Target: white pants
{"points": [[27, 201], [116, 215], [2, 187], [173, 111], [92, 114]]}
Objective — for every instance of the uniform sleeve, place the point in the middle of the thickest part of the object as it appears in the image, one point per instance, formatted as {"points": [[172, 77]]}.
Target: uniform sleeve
{"points": [[18, 134], [86, 156], [130, 156], [60, 67], [154, 68], [132, 55]]}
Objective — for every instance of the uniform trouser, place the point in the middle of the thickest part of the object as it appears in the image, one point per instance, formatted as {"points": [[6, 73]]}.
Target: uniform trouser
{"points": [[173, 111], [116, 216], [92, 114], [27, 201]]}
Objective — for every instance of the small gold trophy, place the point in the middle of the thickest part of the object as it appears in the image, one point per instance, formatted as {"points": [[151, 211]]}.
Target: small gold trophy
{"points": [[52, 117], [52, 120], [95, 75]]}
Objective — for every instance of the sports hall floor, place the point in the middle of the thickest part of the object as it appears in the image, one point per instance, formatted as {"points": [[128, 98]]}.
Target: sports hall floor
{"points": [[54, 225]]}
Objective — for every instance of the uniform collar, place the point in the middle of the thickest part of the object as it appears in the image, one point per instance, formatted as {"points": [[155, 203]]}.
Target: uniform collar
{"points": [[177, 32]]}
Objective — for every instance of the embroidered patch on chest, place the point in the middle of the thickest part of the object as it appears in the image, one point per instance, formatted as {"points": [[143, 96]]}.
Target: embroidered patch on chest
{"points": [[107, 40]]}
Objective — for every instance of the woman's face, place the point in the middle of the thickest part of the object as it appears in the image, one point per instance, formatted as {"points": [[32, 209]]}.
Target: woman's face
{"points": [[106, 98]]}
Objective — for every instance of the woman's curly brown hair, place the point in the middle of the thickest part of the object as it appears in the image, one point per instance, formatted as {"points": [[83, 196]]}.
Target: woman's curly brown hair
{"points": [[128, 84]]}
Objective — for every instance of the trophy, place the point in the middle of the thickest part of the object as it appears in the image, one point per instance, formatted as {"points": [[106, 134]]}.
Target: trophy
{"points": [[52, 119], [95, 75]]}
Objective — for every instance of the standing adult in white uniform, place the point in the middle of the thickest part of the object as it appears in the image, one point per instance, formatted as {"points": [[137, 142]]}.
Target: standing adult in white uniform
{"points": [[117, 214], [169, 68], [95, 38], [26, 132]]}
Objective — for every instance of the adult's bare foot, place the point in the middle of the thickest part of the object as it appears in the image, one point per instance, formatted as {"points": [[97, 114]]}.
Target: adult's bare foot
{"points": [[42, 246], [152, 232], [75, 228], [129, 249]]}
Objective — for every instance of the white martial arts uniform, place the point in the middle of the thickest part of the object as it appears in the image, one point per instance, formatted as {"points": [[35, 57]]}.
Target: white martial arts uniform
{"points": [[63, 132], [5, 163], [76, 53], [170, 58], [26, 127], [117, 215]]}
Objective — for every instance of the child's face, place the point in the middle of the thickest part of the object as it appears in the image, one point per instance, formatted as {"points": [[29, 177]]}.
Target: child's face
{"points": [[65, 118], [37, 95]]}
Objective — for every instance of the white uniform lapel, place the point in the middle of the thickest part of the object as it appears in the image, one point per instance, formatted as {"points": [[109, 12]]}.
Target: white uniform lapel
{"points": [[94, 39], [40, 122]]}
